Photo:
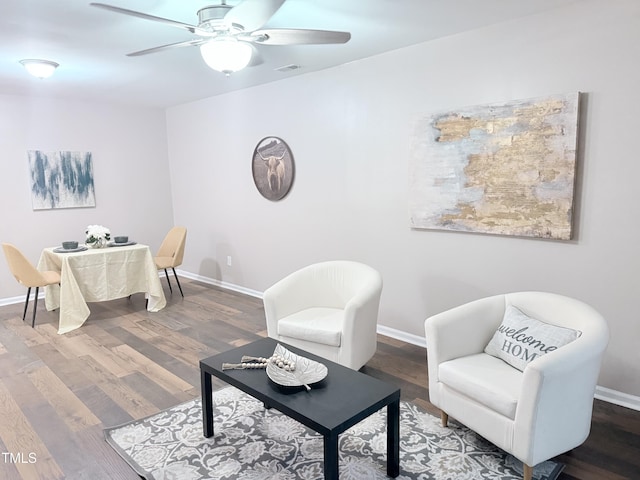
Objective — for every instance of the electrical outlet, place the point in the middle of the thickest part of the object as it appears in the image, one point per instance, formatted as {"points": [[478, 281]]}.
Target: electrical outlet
{"points": [[229, 260]]}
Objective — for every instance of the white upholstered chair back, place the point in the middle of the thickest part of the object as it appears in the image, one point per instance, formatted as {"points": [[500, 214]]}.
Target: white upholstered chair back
{"points": [[349, 290]]}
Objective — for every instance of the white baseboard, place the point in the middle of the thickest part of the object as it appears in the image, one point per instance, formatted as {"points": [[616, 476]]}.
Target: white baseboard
{"points": [[221, 284], [404, 336], [602, 393], [618, 398], [14, 300]]}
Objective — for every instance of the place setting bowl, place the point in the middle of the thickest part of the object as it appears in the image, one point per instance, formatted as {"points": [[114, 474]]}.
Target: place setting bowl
{"points": [[121, 241], [70, 246]]}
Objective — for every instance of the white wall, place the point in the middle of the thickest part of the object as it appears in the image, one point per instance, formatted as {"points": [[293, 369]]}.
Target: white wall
{"points": [[131, 174], [348, 129]]}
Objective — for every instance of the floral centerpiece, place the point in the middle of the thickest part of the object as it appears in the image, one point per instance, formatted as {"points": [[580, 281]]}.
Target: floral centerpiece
{"points": [[97, 236]]}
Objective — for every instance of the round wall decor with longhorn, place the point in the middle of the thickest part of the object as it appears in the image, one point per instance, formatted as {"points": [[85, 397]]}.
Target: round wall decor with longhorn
{"points": [[272, 168]]}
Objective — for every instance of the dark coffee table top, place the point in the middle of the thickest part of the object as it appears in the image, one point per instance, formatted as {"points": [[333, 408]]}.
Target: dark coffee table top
{"points": [[338, 402]]}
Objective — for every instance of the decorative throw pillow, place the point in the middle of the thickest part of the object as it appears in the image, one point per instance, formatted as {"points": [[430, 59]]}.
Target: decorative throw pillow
{"points": [[521, 339]]}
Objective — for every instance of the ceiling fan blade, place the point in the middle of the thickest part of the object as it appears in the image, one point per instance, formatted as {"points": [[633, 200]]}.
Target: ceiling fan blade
{"points": [[188, 43], [253, 14], [291, 36], [146, 16]]}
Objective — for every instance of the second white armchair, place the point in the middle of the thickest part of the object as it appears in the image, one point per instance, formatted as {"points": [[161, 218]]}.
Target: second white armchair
{"points": [[520, 369]]}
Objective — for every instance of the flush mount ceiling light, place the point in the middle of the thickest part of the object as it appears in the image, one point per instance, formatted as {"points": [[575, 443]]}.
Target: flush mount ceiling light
{"points": [[39, 68], [226, 55]]}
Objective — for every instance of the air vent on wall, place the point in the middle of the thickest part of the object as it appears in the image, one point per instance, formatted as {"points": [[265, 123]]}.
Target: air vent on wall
{"points": [[288, 68]]}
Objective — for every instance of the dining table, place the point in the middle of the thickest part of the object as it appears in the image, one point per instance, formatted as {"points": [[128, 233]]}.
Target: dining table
{"points": [[98, 275]]}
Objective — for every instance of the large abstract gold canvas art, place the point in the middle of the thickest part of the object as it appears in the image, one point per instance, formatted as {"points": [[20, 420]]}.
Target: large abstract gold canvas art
{"points": [[504, 169]]}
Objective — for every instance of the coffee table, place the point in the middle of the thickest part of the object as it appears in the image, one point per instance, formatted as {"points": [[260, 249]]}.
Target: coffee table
{"points": [[341, 400]]}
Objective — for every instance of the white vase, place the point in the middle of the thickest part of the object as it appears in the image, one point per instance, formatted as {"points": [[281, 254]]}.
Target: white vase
{"points": [[99, 243]]}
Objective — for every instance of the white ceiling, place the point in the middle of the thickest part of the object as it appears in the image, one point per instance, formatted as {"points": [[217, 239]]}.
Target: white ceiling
{"points": [[90, 44]]}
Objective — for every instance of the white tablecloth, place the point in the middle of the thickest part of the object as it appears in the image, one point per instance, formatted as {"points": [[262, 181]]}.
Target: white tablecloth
{"points": [[97, 275]]}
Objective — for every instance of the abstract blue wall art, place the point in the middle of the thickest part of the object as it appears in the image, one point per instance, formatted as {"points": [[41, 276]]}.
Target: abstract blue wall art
{"points": [[61, 179]]}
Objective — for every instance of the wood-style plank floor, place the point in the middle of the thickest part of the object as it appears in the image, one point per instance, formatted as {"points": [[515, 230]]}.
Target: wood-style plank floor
{"points": [[57, 392]]}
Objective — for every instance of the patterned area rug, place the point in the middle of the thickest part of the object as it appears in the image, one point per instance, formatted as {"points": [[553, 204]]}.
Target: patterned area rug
{"points": [[257, 444]]}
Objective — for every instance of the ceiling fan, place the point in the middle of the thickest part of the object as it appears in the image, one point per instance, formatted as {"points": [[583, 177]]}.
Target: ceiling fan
{"points": [[227, 34]]}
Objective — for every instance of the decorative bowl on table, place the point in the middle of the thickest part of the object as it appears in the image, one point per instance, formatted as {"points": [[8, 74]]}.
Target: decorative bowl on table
{"points": [[121, 239], [306, 371], [69, 245]]}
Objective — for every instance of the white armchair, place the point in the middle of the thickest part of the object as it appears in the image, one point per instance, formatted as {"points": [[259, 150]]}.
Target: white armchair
{"points": [[534, 414], [329, 309]]}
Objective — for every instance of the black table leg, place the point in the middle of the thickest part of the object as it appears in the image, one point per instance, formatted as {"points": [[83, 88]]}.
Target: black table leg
{"points": [[393, 439], [207, 403], [331, 456]]}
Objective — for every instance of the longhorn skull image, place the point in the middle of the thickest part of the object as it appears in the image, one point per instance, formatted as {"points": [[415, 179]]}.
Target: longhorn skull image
{"points": [[275, 171]]}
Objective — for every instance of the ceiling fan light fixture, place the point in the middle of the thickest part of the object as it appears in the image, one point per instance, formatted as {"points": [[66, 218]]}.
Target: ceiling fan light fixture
{"points": [[226, 55], [40, 68]]}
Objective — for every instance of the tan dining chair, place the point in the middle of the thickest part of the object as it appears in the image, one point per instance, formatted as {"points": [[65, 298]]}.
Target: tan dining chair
{"points": [[171, 252], [28, 275]]}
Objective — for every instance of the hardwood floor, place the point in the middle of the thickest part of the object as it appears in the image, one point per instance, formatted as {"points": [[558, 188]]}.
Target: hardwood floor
{"points": [[57, 392]]}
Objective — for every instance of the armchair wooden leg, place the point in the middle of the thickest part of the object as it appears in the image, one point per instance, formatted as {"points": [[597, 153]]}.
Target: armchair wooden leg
{"points": [[444, 418], [528, 472]]}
